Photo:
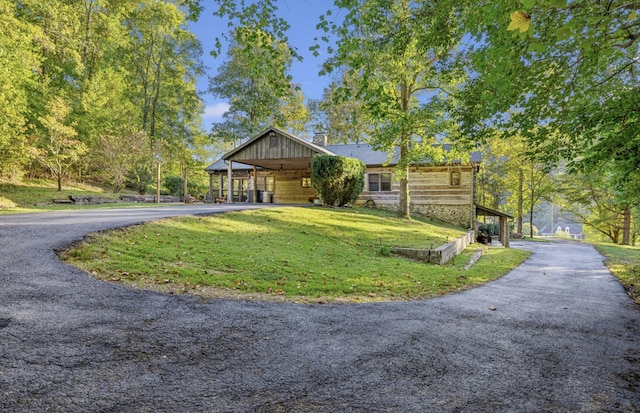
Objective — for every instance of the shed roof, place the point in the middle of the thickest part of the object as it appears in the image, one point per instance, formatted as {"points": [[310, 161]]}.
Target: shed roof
{"points": [[484, 211]]}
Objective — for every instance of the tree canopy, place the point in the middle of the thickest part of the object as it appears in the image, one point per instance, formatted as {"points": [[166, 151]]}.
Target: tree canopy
{"points": [[82, 76], [255, 77], [399, 56], [564, 75]]}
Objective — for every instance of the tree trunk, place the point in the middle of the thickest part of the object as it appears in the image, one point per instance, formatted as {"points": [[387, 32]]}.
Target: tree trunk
{"points": [[626, 227], [403, 209], [532, 205], [186, 184], [405, 138], [520, 199]]}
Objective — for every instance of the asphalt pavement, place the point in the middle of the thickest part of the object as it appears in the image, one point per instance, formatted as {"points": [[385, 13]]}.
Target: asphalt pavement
{"points": [[557, 334]]}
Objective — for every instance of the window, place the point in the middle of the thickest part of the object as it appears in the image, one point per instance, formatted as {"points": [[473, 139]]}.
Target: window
{"points": [[306, 182], [379, 182], [455, 178]]}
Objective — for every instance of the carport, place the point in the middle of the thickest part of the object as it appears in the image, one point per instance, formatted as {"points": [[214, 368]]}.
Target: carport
{"points": [[503, 220], [275, 153]]}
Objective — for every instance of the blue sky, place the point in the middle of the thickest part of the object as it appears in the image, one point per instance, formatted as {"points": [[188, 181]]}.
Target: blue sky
{"points": [[302, 15]]}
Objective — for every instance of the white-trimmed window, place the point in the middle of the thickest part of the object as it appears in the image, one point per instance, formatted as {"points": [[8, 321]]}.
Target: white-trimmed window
{"points": [[380, 182], [306, 182]]}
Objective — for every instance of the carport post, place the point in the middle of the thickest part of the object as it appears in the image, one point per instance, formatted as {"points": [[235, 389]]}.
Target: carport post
{"points": [[255, 184], [211, 188], [230, 179]]}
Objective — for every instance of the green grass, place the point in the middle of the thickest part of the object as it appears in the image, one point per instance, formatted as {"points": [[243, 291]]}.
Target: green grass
{"points": [[623, 262], [298, 254], [38, 195]]}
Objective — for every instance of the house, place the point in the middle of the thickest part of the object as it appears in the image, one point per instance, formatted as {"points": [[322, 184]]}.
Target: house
{"points": [[568, 229], [274, 166]]}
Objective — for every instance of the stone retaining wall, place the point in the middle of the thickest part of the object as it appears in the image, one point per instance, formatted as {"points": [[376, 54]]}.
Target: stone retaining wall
{"points": [[440, 255]]}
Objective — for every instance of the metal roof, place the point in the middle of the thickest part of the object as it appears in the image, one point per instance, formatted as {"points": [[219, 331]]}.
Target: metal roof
{"points": [[362, 151]]}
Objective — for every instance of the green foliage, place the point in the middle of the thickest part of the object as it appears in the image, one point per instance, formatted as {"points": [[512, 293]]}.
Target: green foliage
{"points": [[19, 54], [37, 195], [59, 148], [339, 114], [402, 53], [529, 229], [512, 180], [82, 78], [338, 179], [563, 75], [255, 77], [175, 185], [591, 198], [305, 254], [140, 176], [385, 251], [491, 229]]}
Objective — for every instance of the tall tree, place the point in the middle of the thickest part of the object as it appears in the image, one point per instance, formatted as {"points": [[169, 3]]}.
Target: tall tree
{"points": [[512, 180], [60, 148], [343, 120], [255, 77], [164, 58], [562, 74], [401, 51], [590, 198], [19, 55]]}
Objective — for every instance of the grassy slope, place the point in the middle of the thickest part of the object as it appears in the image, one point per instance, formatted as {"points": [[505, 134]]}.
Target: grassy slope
{"points": [[37, 195], [301, 254], [624, 263]]}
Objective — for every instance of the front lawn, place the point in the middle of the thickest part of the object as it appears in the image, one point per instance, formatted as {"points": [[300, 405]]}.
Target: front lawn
{"points": [[299, 254]]}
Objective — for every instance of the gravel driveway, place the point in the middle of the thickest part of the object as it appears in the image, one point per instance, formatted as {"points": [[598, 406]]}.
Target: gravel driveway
{"points": [[557, 334]]}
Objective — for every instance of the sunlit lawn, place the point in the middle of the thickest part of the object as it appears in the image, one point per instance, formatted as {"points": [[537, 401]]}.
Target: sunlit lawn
{"points": [[38, 195], [301, 254], [624, 263]]}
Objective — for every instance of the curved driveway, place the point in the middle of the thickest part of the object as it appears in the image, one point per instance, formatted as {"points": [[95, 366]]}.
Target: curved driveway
{"points": [[557, 334]]}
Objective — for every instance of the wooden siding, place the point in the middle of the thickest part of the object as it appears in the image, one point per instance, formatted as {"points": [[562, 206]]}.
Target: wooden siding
{"points": [[289, 190], [273, 147], [429, 185]]}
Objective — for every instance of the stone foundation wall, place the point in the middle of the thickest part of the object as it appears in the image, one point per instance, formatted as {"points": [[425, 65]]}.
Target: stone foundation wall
{"points": [[459, 215], [453, 214]]}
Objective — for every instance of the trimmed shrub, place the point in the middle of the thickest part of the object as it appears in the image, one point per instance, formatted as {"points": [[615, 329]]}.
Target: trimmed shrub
{"points": [[174, 184], [338, 179]]}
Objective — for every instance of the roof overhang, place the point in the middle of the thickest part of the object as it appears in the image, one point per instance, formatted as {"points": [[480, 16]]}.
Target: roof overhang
{"points": [[484, 211]]}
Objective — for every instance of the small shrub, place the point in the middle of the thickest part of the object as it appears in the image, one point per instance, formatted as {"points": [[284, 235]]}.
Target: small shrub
{"points": [[139, 177], [174, 184], [489, 229], [385, 251], [526, 229]]}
